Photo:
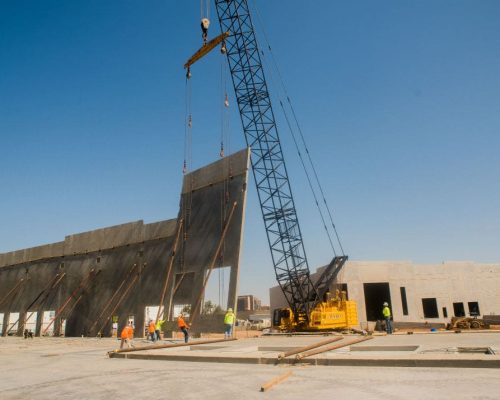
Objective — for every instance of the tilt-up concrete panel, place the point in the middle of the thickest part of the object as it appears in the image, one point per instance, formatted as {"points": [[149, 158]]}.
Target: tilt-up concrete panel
{"points": [[94, 278]]}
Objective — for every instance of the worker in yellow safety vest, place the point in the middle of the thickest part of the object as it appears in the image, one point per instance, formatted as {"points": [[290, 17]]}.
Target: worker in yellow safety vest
{"points": [[228, 323], [158, 326], [386, 312]]}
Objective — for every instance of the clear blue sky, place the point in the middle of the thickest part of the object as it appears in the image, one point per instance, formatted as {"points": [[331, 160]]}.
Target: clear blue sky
{"points": [[399, 101]]}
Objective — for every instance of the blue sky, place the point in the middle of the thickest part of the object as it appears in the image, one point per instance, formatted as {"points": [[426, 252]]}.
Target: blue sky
{"points": [[399, 102]]}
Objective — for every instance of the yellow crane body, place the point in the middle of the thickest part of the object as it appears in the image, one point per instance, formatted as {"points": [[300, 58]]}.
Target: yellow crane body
{"points": [[332, 314]]}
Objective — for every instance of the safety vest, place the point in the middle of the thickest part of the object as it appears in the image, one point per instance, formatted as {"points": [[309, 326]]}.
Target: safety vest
{"points": [[151, 327], [127, 333], [386, 311], [159, 324], [229, 318], [181, 323]]}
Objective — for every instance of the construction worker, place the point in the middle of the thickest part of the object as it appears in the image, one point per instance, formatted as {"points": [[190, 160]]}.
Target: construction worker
{"points": [[158, 326], [151, 330], [386, 311], [183, 326], [228, 323], [127, 335]]}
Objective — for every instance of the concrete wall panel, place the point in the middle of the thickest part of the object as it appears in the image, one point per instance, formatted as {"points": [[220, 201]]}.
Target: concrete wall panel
{"points": [[113, 251]]}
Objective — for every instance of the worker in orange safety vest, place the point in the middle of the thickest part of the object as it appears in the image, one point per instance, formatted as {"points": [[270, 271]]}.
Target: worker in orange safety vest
{"points": [[183, 326], [151, 330], [127, 335]]}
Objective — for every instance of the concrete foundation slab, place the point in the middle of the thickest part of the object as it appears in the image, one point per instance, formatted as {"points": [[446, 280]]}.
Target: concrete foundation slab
{"points": [[69, 368]]}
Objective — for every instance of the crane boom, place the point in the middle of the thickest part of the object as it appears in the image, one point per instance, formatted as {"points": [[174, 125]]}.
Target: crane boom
{"points": [[268, 165]]}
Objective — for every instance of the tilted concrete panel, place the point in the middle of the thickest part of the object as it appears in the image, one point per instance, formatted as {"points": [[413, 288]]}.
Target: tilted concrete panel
{"points": [[130, 260]]}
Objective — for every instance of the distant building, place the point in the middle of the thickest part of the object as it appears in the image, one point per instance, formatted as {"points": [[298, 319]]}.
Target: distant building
{"points": [[248, 303], [417, 293]]}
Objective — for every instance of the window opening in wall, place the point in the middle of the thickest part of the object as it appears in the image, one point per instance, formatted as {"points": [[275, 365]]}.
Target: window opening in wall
{"points": [[404, 302], [474, 308], [375, 296], [458, 309], [445, 312], [30, 322], [182, 308], [430, 308], [13, 323], [47, 318]]}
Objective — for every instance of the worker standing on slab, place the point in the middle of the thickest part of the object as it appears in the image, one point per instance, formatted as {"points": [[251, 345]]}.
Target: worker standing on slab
{"points": [[158, 326], [386, 311], [228, 323], [127, 335], [151, 330], [183, 326]]}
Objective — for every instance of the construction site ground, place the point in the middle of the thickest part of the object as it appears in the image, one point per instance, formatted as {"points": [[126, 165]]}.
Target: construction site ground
{"points": [[439, 365]]}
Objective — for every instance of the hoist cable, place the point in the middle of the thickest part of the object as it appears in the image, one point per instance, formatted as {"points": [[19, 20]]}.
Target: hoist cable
{"points": [[308, 178], [304, 167], [309, 181], [316, 177], [275, 65]]}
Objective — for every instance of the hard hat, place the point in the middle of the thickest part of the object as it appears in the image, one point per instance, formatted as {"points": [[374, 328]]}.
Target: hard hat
{"points": [[230, 309], [386, 304]]}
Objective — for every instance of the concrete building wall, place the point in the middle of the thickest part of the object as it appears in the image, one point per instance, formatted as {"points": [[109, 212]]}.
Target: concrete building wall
{"points": [[448, 283], [120, 270]]}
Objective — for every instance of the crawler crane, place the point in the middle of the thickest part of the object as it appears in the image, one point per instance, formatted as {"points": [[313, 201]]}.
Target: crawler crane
{"points": [[311, 306]]}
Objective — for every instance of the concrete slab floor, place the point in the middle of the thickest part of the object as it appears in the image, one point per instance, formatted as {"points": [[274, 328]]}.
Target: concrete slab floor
{"points": [[69, 368]]}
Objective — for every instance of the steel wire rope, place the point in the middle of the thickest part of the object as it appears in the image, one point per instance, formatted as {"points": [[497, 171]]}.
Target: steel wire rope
{"points": [[308, 179], [304, 167], [275, 65], [186, 198]]}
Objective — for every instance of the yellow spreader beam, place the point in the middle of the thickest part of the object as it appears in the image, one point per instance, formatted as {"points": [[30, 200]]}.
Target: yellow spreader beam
{"points": [[205, 49]]}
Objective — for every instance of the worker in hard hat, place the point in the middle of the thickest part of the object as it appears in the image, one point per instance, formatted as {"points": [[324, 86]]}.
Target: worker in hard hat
{"points": [[127, 335], [158, 326], [228, 323], [183, 326], [151, 330], [386, 312]]}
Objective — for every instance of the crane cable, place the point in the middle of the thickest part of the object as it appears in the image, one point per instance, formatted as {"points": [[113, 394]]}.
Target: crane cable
{"points": [[308, 179], [283, 87], [224, 139], [188, 121], [304, 167], [225, 121]]}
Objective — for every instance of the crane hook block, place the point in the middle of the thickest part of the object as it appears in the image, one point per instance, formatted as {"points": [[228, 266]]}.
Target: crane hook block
{"points": [[205, 49]]}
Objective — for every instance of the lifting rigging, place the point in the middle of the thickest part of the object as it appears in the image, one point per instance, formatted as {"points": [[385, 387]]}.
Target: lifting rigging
{"points": [[311, 307]]}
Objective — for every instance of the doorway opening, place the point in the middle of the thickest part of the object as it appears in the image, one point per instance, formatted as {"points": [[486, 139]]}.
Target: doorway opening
{"points": [[217, 290], [12, 324], [30, 322], [150, 313], [375, 296], [62, 329], [47, 318], [1, 323]]}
